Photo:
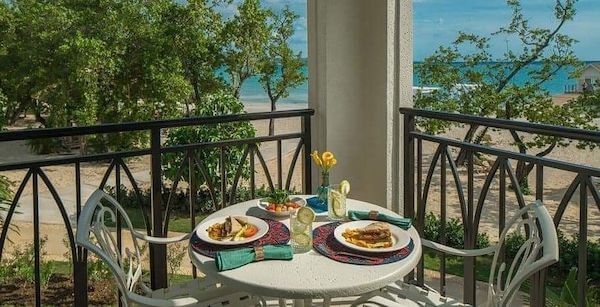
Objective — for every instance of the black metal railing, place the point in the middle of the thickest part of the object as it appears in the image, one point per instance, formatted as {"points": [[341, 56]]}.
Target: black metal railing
{"points": [[155, 215], [417, 188]]}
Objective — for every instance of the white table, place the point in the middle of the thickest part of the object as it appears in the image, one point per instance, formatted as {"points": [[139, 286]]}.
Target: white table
{"points": [[308, 275]]}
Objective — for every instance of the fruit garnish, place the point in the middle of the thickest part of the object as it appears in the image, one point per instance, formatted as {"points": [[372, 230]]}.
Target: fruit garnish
{"points": [[336, 203], [301, 239], [252, 230], [306, 215], [345, 187]]}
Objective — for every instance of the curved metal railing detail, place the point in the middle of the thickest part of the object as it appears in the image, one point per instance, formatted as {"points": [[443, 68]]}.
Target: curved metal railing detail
{"points": [[472, 206], [158, 224]]}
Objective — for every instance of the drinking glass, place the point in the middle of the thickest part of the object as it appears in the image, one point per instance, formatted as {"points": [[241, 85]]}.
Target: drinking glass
{"points": [[336, 203], [301, 233]]}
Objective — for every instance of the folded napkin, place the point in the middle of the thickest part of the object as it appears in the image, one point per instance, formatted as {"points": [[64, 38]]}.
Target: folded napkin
{"points": [[231, 259], [401, 222], [316, 204]]}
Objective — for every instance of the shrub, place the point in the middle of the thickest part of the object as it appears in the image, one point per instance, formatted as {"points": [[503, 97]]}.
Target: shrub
{"points": [[175, 254], [569, 255], [455, 233], [45, 146], [220, 103], [19, 267], [5, 196]]}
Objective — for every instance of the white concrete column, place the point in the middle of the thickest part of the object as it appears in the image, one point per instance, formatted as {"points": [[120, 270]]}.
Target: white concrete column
{"points": [[360, 72]]}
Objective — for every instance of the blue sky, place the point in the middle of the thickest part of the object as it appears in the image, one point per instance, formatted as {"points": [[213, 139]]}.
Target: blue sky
{"points": [[436, 22]]}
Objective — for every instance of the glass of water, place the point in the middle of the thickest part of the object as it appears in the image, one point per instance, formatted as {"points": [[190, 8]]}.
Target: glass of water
{"points": [[301, 227]]}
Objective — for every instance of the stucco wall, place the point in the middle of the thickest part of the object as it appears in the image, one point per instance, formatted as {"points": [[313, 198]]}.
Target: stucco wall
{"points": [[359, 71]]}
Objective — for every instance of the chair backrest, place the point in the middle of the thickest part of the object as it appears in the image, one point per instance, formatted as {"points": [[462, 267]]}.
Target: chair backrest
{"points": [[539, 251], [94, 235]]}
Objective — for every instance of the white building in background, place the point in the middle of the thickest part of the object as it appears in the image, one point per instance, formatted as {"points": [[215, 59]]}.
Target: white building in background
{"points": [[590, 78]]}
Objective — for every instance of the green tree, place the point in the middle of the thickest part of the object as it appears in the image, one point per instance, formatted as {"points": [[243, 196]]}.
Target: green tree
{"points": [[196, 28], [244, 38], [280, 68], [88, 62], [469, 60], [5, 184], [588, 102], [219, 103]]}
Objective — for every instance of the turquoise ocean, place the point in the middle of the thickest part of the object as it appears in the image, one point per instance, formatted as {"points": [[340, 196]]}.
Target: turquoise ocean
{"points": [[252, 90]]}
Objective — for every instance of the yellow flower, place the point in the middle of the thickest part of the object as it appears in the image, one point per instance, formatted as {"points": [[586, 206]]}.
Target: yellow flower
{"points": [[315, 157], [333, 162], [327, 156]]}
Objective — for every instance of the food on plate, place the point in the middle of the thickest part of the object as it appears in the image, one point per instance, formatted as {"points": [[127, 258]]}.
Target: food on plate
{"points": [[375, 235], [235, 228], [279, 201]]}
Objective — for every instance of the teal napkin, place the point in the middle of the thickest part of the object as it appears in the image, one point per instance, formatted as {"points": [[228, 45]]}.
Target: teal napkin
{"points": [[231, 259], [401, 222], [316, 204]]}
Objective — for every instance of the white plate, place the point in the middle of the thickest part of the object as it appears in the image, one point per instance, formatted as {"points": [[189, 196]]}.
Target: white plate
{"points": [[262, 204], [400, 237], [201, 231]]}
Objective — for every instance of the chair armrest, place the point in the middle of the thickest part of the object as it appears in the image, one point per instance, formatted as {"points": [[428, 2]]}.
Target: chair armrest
{"points": [[157, 240], [458, 252], [147, 301]]}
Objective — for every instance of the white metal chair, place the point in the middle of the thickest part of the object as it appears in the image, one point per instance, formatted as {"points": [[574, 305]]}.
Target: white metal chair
{"points": [[539, 251], [95, 235]]}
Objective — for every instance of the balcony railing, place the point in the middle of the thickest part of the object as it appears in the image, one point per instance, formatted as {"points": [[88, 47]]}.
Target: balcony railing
{"points": [[418, 188], [417, 183], [222, 192]]}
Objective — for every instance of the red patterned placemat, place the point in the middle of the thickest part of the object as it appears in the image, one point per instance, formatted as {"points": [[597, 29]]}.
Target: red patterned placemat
{"points": [[325, 243], [278, 234]]}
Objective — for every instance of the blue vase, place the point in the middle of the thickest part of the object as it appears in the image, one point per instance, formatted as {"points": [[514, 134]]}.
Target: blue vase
{"points": [[323, 188]]}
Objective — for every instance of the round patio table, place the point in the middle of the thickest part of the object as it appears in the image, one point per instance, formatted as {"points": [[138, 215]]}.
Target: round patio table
{"points": [[309, 275]]}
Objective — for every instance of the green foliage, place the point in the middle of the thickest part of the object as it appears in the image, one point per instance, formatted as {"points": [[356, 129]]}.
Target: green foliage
{"points": [[3, 109], [211, 104], [494, 92], [588, 104], [91, 62], [97, 269], [245, 36], [19, 266], [5, 197], [278, 196], [175, 254], [454, 231], [280, 67], [569, 255], [568, 293]]}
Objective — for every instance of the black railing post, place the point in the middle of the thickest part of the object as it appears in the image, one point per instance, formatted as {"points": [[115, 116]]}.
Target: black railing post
{"points": [[582, 281], [158, 253], [36, 240], [307, 165], [409, 172], [80, 276], [470, 235]]}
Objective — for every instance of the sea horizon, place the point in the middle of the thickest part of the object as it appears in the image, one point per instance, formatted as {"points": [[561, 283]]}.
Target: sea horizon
{"points": [[253, 92]]}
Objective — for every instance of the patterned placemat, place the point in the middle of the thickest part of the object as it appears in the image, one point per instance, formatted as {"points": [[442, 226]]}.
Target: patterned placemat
{"points": [[278, 234], [325, 243]]}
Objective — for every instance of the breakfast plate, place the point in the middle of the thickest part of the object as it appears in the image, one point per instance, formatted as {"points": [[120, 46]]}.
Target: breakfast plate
{"points": [[396, 239], [298, 202], [202, 230]]}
